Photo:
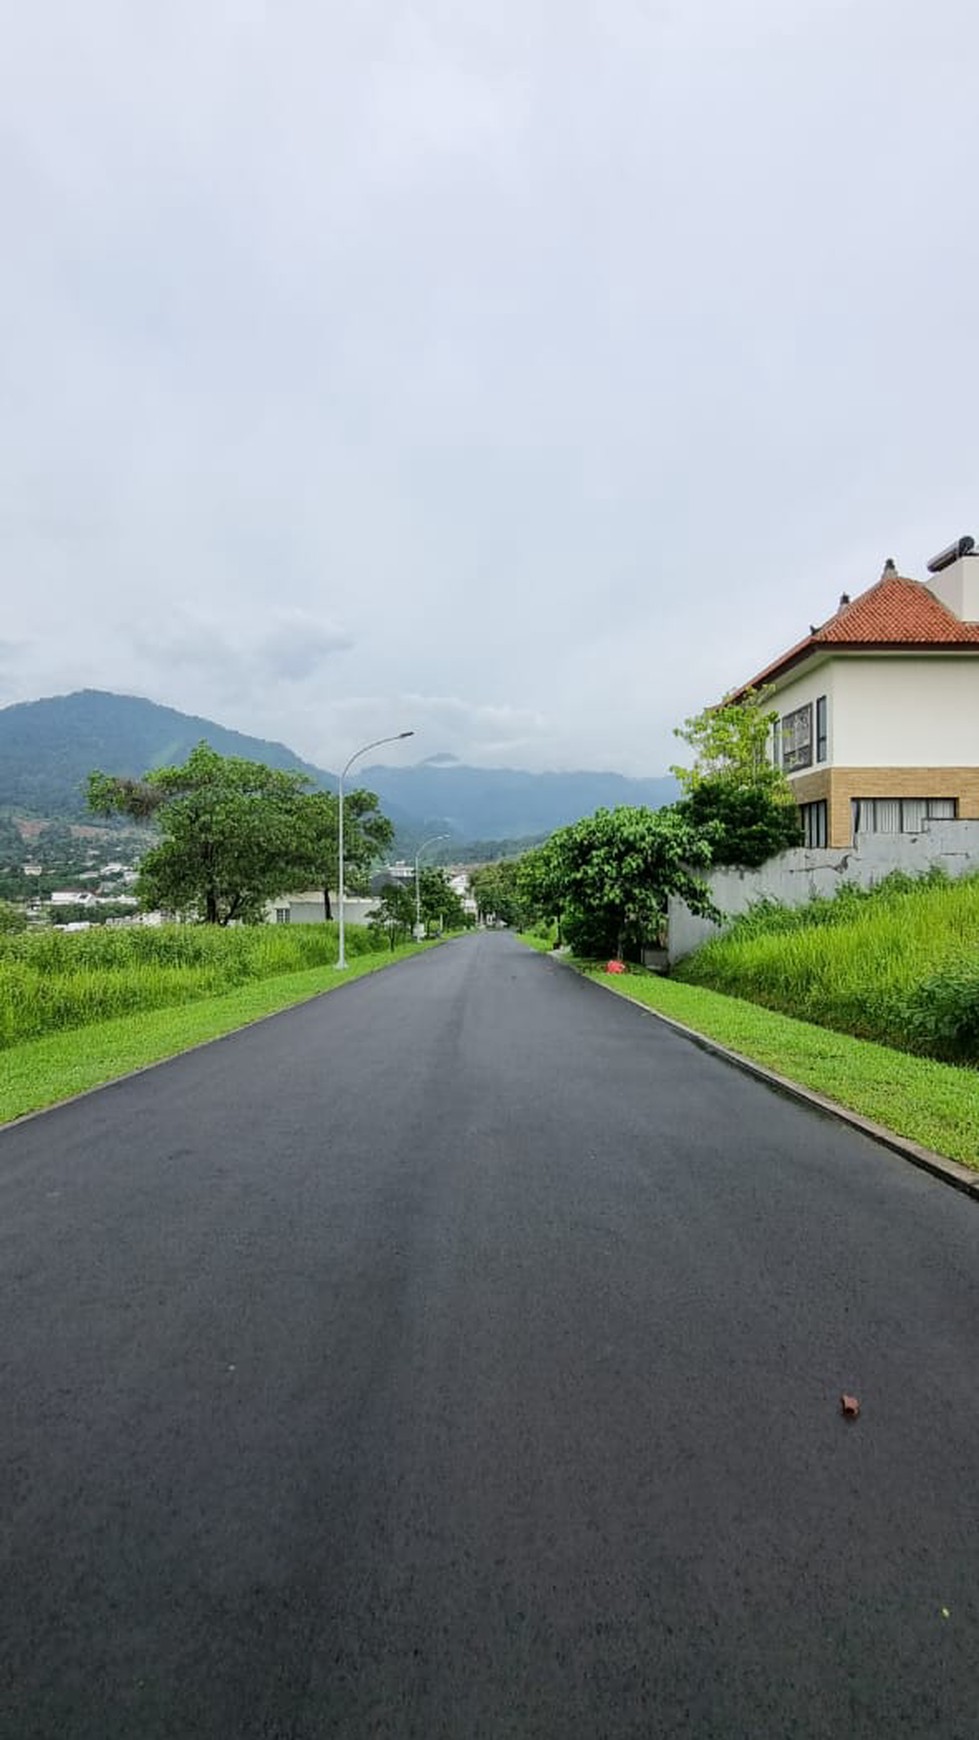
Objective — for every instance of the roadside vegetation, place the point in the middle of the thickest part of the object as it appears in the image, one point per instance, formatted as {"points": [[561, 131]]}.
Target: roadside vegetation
{"points": [[898, 964], [55, 981], [604, 882]]}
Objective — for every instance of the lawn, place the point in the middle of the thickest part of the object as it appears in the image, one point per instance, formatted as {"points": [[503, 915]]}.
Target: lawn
{"points": [[42, 1071]]}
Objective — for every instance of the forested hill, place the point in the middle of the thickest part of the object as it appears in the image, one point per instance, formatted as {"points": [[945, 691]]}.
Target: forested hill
{"points": [[492, 803], [48, 748]]}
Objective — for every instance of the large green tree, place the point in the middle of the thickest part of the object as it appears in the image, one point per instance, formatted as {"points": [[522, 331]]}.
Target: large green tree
{"points": [[734, 790], [394, 914], [497, 892], [607, 878], [231, 832], [367, 836], [439, 902]]}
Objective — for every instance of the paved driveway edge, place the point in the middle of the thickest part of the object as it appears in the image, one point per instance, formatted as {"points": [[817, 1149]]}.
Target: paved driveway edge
{"points": [[949, 1171]]}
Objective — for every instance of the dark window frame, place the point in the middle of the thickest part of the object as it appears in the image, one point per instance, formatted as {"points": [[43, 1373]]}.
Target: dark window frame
{"points": [[822, 734], [815, 824], [797, 727]]}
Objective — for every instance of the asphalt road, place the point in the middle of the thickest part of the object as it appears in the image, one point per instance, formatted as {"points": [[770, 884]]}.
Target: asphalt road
{"points": [[460, 1356]]}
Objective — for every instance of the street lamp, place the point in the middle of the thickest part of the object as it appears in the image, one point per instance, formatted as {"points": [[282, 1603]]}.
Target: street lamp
{"points": [[342, 959], [418, 892]]}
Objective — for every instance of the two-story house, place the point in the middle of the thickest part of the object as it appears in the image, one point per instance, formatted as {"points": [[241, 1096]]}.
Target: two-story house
{"points": [[878, 708]]}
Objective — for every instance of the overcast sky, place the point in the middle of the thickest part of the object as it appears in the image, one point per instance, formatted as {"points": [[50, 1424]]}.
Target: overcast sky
{"points": [[526, 373]]}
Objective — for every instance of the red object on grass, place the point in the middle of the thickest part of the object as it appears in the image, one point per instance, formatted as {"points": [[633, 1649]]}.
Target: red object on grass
{"points": [[615, 967]]}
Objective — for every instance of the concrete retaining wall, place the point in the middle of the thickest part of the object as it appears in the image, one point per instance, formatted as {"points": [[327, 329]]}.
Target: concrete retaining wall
{"points": [[795, 877]]}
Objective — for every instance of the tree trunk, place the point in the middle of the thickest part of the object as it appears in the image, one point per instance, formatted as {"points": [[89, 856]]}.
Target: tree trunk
{"points": [[327, 909]]}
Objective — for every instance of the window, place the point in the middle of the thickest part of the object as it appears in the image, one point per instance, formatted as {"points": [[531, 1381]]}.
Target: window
{"points": [[797, 738], [777, 743], [282, 915], [815, 823], [900, 815], [821, 728]]}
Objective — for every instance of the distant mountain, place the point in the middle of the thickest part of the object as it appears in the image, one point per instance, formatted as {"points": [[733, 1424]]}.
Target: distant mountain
{"points": [[494, 803], [48, 748]]}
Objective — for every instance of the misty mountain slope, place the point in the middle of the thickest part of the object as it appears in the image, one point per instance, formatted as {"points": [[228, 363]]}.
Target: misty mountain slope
{"points": [[49, 747], [494, 803]]}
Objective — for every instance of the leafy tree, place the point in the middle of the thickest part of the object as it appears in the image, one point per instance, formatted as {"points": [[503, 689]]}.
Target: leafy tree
{"points": [[231, 833], [394, 914], [734, 791], [731, 742], [541, 883], [497, 892], [607, 878], [439, 902], [748, 824], [367, 835], [12, 918]]}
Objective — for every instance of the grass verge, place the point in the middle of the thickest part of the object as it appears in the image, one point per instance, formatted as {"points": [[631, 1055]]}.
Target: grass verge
{"points": [[544, 944], [43, 1072], [934, 1104]]}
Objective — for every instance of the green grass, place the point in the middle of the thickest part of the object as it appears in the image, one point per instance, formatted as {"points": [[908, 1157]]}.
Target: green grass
{"points": [[898, 964], [54, 980], [43, 1071], [933, 1104], [535, 939]]}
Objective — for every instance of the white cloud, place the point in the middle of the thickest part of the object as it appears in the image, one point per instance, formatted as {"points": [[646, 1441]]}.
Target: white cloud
{"points": [[572, 356]]}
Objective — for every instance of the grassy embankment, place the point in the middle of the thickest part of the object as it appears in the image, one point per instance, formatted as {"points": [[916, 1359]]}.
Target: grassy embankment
{"points": [[898, 964], [79, 1009], [837, 994]]}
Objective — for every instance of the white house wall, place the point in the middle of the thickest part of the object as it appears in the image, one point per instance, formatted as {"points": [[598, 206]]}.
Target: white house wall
{"points": [[900, 711]]}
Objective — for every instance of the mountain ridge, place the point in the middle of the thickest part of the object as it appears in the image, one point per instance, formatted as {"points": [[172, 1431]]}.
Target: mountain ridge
{"points": [[49, 746]]}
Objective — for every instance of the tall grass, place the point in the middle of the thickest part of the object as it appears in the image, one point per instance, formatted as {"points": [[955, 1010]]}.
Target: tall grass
{"points": [[898, 963], [54, 980]]}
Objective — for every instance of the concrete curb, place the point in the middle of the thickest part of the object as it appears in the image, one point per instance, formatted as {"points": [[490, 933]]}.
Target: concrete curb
{"points": [[949, 1171]]}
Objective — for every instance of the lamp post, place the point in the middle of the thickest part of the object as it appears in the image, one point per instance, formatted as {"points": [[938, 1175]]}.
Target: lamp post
{"points": [[376, 744], [418, 892]]}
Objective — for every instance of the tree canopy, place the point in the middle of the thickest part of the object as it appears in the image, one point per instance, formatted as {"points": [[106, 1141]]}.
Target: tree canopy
{"points": [[367, 835], [734, 790], [235, 834], [607, 878], [497, 891], [231, 833]]}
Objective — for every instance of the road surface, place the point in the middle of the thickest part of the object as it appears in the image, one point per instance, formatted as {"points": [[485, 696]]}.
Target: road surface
{"points": [[460, 1356]]}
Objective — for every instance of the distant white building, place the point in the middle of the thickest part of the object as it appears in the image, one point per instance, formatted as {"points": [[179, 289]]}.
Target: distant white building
{"points": [[459, 884], [307, 908]]}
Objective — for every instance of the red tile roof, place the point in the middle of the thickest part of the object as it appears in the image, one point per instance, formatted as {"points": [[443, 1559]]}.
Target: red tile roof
{"points": [[894, 613]]}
